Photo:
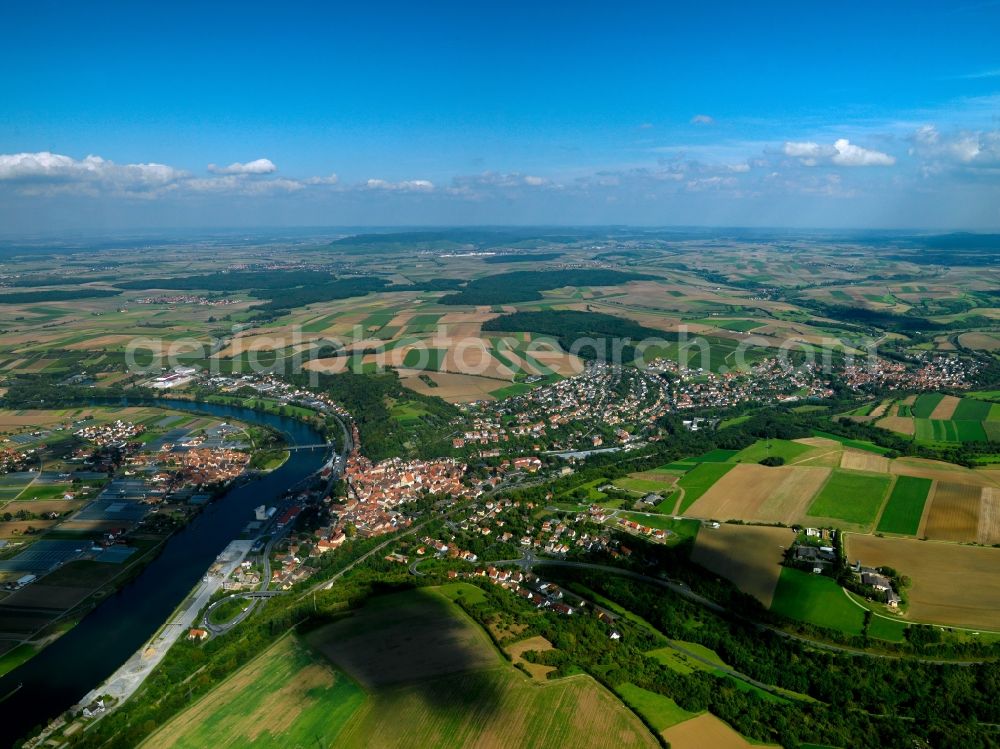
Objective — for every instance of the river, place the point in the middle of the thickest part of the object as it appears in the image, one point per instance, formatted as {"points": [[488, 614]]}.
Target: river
{"points": [[59, 676]]}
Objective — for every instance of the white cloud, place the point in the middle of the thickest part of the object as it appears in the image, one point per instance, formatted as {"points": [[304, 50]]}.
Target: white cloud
{"points": [[970, 149], [849, 154], [702, 119], [332, 179], [841, 153], [52, 172], [257, 166], [237, 185], [409, 185]]}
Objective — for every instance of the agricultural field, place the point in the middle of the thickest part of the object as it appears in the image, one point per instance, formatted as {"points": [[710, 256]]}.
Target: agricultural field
{"points": [[405, 637], [758, 493], [435, 679], [787, 450], [538, 644], [816, 599], [659, 711], [749, 556], [934, 568], [497, 707], [956, 510], [903, 512], [699, 480], [288, 696], [850, 498], [938, 418], [705, 731]]}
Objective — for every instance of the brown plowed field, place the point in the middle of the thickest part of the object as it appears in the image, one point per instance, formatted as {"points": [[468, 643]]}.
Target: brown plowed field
{"points": [[757, 493], [954, 514], [989, 517], [861, 460], [952, 584], [706, 732], [945, 409]]}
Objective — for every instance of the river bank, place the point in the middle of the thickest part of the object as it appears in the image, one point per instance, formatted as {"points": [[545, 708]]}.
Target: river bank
{"points": [[63, 674]]}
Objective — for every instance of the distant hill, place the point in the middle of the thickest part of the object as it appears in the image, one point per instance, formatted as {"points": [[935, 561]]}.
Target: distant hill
{"points": [[450, 239]]}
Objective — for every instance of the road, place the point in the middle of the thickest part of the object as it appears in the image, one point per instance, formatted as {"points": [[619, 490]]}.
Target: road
{"points": [[684, 591], [123, 682]]}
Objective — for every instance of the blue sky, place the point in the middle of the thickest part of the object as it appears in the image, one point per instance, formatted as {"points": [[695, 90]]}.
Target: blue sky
{"points": [[242, 114]]}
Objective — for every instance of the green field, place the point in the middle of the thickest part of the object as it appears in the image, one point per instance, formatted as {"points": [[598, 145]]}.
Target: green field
{"points": [[423, 323], [14, 658], [816, 599], [288, 696], [427, 358], [508, 391], [970, 409], [925, 404], [851, 496], [906, 506], [949, 430], [319, 324], [643, 486], [498, 707], [660, 712], [717, 455], [699, 480], [771, 448], [819, 600], [471, 594]]}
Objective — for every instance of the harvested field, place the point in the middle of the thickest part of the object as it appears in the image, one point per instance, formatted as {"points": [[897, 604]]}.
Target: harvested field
{"points": [[454, 388], [898, 424], [945, 408], [981, 341], [879, 410], [860, 460], [934, 567], [704, 732], [699, 480], [405, 637], [820, 442], [989, 517], [498, 708], [935, 469], [10, 420], [790, 501], [43, 506], [954, 513], [749, 556], [518, 649], [17, 528], [758, 493]]}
